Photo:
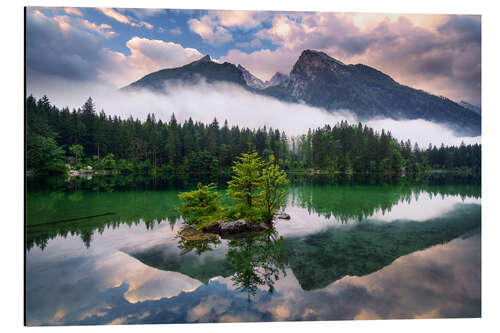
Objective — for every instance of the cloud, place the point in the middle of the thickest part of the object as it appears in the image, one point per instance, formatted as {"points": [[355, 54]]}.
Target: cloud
{"points": [[147, 25], [143, 13], [103, 29], [254, 43], [208, 308], [464, 29], [413, 129], [147, 55], [63, 46], [115, 15], [440, 54], [240, 107], [264, 63], [175, 31], [214, 27], [243, 19], [444, 60], [73, 11], [109, 12], [293, 34], [310, 30], [102, 286], [71, 48], [209, 31]]}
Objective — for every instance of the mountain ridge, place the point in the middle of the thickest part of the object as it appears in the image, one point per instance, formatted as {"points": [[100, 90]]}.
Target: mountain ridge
{"points": [[194, 72], [321, 81]]}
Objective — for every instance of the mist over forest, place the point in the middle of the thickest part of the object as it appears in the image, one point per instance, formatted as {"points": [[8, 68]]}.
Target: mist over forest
{"points": [[224, 101]]}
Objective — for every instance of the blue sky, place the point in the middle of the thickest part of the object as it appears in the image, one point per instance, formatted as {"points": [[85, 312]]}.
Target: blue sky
{"points": [[171, 25], [437, 53]]}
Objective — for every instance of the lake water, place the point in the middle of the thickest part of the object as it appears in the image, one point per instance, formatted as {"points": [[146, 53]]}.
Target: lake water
{"points": [[348, 252]]}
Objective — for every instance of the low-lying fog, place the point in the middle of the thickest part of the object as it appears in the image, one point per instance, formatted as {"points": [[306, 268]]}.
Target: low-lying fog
{"points": [[204, 102]]}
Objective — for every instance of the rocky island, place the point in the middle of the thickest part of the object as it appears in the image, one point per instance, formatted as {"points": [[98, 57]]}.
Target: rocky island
{"points": [[256, 190]]}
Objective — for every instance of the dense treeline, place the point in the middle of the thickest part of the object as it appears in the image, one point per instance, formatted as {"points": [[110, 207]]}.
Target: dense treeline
{"points": [[84, 137], [360, 149]]}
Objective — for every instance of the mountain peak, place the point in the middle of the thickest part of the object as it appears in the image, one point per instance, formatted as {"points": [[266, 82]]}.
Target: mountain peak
{"points": [[278, 79], [251, 80], [312, 63], [278, 75], [205, 59], [322, 81], [313, 55], [310, 66]]}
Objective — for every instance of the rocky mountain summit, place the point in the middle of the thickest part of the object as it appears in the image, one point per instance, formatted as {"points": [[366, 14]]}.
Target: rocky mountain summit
{"points": [[278, 79], [192, 73], [251, 80], [322, 81], [256, 83]]}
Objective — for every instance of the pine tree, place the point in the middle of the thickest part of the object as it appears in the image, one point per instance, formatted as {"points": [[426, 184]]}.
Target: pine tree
{"points": [[77, 152], [200, 206], [246, 180], [272, 195]]}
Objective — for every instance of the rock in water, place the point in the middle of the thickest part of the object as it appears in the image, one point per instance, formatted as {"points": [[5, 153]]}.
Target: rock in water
{"points": [[235, 227], [212, 228], [283, 216]]}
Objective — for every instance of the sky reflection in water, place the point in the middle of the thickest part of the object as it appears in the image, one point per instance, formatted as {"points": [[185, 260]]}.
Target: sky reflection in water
{"points": [[68, 283]]}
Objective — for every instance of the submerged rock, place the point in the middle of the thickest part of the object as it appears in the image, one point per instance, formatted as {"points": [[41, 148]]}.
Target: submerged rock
{"points": [[235, 227], [283, 216]]}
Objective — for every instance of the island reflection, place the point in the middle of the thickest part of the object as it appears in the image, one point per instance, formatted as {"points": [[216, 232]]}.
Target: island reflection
{"points": [[367, 262]]}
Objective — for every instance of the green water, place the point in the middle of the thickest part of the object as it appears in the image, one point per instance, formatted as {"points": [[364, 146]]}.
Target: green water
{"points": [[113, 255]]}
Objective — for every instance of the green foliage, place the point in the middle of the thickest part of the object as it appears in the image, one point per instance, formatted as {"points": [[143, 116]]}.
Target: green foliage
{"points": [[201, 166], [45, 156], [106, 163], [200, 206], [77, 152], [257, 261], [205, 151], [271, 196], [86, 212], [246, 179], [255, 185], [320, 259], [252, 214], [124, 166]]}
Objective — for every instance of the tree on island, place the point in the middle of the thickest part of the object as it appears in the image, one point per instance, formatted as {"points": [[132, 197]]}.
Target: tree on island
{"points": [[255, 185], [272, 195], [200, 207], [246, 179]]}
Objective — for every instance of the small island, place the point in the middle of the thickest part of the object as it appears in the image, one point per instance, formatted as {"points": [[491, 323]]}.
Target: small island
{"points": [[256, 191]]}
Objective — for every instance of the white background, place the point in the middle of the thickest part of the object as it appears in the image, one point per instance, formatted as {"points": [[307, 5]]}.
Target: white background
{"points": [[11, 232]]}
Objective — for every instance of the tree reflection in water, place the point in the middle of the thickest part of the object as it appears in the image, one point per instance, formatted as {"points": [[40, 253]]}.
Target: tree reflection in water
{"points": [[193, 239], [257, 261]]}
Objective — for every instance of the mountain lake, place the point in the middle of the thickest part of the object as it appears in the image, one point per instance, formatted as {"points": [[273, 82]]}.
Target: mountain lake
{"points": [[104, 252]]}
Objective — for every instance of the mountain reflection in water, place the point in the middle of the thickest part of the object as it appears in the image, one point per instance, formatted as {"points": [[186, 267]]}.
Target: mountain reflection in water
{"points": [[349, 252]]}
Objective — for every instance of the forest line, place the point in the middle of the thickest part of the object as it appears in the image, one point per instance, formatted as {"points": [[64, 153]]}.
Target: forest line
{"points": [[83, 137]]}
